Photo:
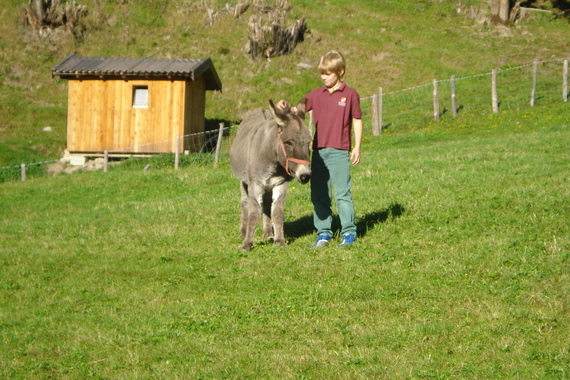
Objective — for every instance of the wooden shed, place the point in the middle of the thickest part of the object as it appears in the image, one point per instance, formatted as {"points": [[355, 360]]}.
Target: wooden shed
{"points": [[136, 105]]}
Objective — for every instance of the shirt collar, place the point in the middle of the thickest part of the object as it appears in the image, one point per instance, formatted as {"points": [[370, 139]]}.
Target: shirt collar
{"points": [[340, 88]]}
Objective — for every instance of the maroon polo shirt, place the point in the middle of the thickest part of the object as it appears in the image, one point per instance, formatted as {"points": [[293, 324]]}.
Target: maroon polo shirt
{"points": [[333, 114]]}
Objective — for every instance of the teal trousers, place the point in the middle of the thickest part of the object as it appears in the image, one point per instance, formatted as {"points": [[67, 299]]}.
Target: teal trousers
{"points": [[331, 170]]}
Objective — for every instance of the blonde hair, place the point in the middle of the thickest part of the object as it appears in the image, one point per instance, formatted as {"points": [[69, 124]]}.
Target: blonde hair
{"points": [[332, 62]]}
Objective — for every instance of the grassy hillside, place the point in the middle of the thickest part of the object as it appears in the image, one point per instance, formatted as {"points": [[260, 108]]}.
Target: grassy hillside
{"points": [[393, 44], [461, 270]]}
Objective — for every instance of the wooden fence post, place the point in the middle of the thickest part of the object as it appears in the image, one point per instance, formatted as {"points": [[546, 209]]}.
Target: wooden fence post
{"points": [[379, 110], [105, 161], [435, 101], [219, 145], [23, 171], [453, 96], [374, 111], [533, 91], [495, 97], [177, 153], [565, 82]]}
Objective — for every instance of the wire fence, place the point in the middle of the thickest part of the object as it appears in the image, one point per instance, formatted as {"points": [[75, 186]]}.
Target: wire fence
{"points": [[208, 149], [540, 82]]}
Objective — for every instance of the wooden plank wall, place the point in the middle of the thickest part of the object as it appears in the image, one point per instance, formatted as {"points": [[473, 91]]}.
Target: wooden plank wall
{"points": [[195, 110], [101, 116]]}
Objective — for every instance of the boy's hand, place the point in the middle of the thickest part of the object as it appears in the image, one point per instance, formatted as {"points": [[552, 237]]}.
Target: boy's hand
{"points": [[357, 128], [355, 156], [283, 105]]}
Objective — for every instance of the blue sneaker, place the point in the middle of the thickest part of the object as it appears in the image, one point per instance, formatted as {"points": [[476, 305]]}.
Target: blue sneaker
{"points": [[347, 239], [322, 240]]}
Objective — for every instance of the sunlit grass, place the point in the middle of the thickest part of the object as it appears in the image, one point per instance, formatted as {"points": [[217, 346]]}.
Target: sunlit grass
{"points": [[460, 271]]}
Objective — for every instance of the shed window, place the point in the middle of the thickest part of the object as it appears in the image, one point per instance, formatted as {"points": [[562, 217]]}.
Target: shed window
{"points": [[140, 97]]}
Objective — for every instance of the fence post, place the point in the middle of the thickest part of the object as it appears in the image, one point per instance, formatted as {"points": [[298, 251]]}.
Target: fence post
{"points": [[380, 106], [177, 153], [453, 96], [23, 171], [374, 112], [534, 75], [565, 82], [219, 145], [494, 92], [435, 101], [105, 161]]}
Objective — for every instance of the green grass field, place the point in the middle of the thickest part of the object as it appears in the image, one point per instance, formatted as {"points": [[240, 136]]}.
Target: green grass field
{"points": [[462, 266], [461, 269]]}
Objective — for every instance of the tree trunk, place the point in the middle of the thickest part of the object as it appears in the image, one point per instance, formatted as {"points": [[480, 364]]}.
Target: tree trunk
{"points": [[500, 11], [504, 11], [44, 16], [39, 8]]}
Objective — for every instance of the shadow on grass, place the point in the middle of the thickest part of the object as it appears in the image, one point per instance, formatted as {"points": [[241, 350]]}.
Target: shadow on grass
{"points": [[368, 221], [304, 225], [298, 228]]}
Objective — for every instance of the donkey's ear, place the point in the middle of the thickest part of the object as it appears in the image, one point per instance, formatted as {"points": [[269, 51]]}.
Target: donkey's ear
{"points": [[280, 118], [301, 108]]}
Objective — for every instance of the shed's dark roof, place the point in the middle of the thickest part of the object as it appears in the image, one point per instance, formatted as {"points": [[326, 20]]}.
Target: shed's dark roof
{"points": [[74, 67]]}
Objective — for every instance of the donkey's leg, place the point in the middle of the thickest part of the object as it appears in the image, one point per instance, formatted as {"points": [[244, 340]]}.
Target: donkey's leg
{"points": [[244, 208], [278, 213], [266, 207], [253, 215]]}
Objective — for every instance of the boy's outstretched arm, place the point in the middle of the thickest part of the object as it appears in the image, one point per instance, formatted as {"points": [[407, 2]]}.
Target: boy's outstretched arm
{"points": [[357, 130]]}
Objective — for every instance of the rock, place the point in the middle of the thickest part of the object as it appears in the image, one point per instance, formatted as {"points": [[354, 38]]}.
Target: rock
{"points": [[94, 165], [305, 66], [71, 169], [55, 168]]}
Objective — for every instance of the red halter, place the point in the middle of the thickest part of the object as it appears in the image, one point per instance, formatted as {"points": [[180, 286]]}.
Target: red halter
{"points": [[287, 159]]}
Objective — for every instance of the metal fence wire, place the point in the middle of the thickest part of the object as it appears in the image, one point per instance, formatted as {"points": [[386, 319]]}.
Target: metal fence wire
{"points": [[511, 88]]}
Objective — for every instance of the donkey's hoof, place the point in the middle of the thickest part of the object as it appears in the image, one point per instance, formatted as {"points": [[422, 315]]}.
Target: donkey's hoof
{"points": [[281, 243], [246, 247]]}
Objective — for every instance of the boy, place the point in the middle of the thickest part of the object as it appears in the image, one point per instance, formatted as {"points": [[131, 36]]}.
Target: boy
{"points": [[336, 112]]}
